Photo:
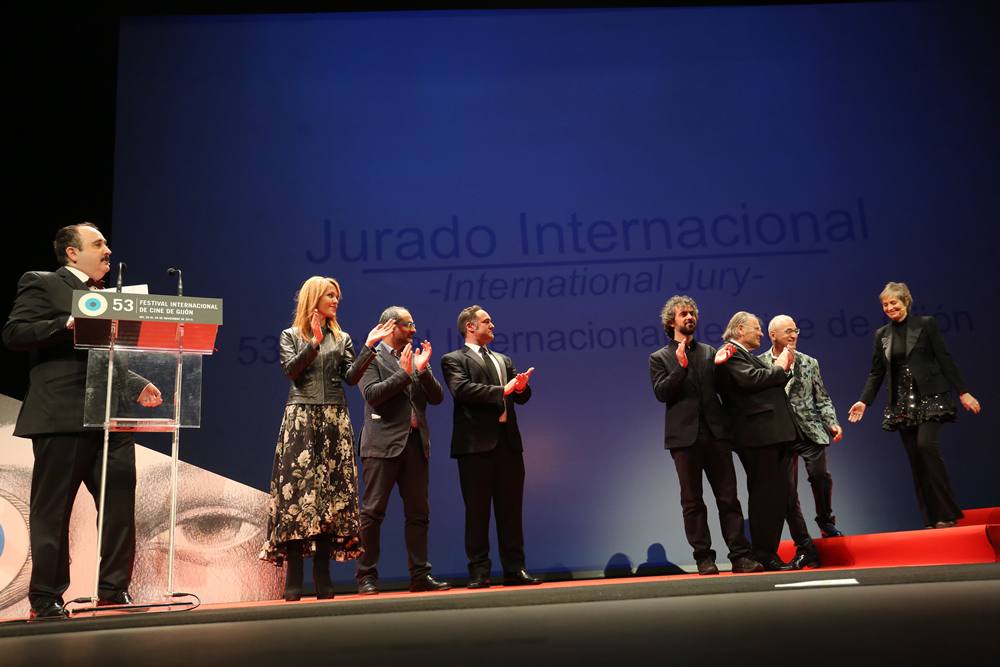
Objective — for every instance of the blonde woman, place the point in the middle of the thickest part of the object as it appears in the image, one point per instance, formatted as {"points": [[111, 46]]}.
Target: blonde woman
{"points": [[314, 489], [921, 376]]}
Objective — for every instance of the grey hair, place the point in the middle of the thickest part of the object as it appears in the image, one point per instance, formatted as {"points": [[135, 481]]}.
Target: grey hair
{"points": [[774, 321], [898, 290], [392, 313], [738, 320]]}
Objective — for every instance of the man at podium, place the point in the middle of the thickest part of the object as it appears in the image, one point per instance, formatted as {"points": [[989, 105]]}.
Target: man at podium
{"points": [[66, 453]]}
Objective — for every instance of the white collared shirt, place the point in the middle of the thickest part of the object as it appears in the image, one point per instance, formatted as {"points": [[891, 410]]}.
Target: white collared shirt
{"points": [[740, 345], [78, 273]]}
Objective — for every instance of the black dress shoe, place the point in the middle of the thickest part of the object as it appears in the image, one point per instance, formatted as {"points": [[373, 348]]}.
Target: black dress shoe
{"points": [[829, 530], [706, 567], [944, 524], [520, 578], [805, 559], [427, 583], [775, 564], [49, 611], [745, 564], [367, 586], [121, 597], [479, 581]]}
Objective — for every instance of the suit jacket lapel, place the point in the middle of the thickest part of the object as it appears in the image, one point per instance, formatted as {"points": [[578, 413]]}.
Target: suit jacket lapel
{"points": [[912, 334], [502, 363], [388, 358], [474, 355], [752, 357], [70, 279]]}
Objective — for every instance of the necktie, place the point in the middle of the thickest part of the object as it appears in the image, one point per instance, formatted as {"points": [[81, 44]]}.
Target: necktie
{"points": [[95, 284], [491, 370]]}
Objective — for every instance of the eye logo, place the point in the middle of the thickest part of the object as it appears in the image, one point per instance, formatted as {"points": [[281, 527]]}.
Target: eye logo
{"points": [[92, 304], [14, 549]]}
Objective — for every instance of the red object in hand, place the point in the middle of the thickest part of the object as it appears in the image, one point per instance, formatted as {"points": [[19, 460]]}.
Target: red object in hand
{"points": [[724, 353]]}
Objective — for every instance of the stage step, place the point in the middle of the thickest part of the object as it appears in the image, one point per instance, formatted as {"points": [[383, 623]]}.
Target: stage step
{"points": [[976, 539]]}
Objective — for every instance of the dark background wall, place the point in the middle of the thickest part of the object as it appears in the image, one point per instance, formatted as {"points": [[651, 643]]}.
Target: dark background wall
{"points": [[61, 124]]}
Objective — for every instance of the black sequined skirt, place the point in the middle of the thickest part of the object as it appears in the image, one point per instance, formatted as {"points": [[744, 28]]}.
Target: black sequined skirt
{"points": [[909, 409]]}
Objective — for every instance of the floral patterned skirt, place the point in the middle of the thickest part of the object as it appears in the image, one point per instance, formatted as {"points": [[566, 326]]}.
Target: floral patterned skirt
{"points": [[314, 483], [909, 409]]}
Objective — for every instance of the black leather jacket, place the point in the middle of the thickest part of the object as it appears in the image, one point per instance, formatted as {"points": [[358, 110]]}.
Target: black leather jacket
{"points": [[318, 375]]}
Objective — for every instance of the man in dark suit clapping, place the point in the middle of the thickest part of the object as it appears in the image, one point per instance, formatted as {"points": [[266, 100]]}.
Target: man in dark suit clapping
{"points": [[753, 393], [696, 431], [395, 447], [487, 443]]}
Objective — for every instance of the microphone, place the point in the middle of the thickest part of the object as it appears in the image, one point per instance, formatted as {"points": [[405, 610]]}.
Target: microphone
{"points": [[122, 266], [180, 279]]}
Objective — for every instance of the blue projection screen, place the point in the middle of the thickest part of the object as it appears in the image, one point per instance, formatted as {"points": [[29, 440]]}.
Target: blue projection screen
{"points": [[570, 170]]}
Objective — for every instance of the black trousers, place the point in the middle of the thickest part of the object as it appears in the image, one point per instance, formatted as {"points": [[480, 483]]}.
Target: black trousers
{"points": [[409, 471], [767, 470], [62, 462], [715, 460], [814, 457], [493, 478], [930, 477]]}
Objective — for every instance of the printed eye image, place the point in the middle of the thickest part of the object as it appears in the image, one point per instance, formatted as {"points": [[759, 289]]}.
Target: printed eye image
{"points": [[15, 563], [220, 527], [208, 528]]}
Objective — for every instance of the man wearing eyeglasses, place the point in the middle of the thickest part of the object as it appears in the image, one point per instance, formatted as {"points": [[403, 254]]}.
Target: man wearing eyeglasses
{"points": [[817, 421], [395, 446]]}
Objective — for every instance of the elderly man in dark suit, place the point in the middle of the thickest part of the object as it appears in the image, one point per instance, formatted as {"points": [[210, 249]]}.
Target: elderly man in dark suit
{"points": [[753, 393], [817, 421], [696, 431], [66, 453], [487, 443], [395, 447]]}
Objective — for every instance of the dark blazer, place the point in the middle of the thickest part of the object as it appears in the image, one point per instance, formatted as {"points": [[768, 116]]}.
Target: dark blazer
{"points": [[753, 394], [926, 355], [390, 395], [57, 371], [688, 393], [479, 404]]}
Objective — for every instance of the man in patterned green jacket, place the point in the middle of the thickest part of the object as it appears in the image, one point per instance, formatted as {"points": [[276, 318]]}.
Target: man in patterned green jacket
{"points": [[817, 421]]}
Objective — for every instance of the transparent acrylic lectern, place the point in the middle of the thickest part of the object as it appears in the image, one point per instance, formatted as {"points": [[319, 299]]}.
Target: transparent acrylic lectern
{"points": [[134, 340]]}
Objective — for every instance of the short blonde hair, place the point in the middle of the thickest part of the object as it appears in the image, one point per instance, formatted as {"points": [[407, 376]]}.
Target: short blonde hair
{"points": [[898, 290], [307, 300]]}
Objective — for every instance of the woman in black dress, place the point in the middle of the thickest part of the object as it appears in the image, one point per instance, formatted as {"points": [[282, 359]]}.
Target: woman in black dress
{"points": [[314, 482], [921, 376]]}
